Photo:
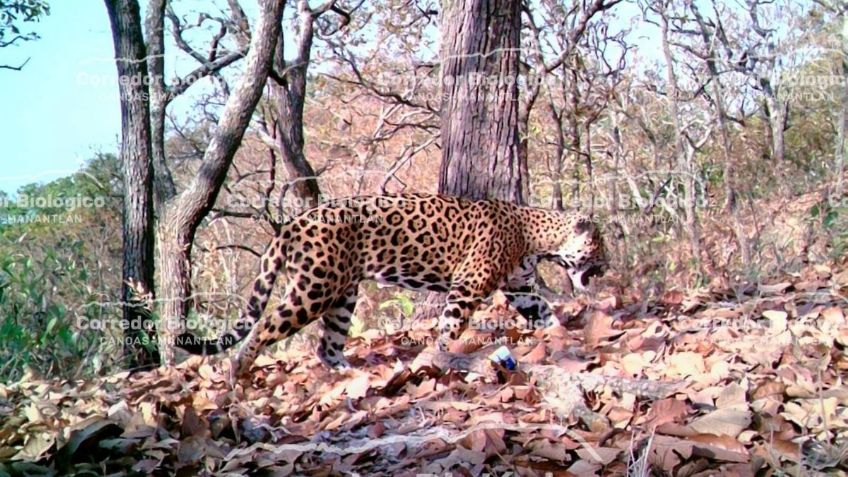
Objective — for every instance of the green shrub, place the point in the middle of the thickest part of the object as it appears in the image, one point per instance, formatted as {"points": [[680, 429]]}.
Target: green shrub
{"points": [[37, 330]]}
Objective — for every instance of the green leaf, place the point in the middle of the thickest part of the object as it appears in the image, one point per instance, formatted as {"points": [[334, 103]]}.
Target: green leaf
{"points": [[404, 302], [830, 219], [50, 325]]}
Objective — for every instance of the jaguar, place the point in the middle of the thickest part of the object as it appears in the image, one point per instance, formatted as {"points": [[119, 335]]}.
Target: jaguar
{"points": [[465, 248]]}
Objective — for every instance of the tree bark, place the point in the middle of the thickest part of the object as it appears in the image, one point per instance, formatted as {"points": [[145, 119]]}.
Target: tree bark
{"points": [[137, 225], [590, 168], [841, 143], [777, 112], [181, 215], [573, 124], [482, 156], [731, 203], [479, 122], [163, 185], [288, 92], [685, 158], [559, 155]]}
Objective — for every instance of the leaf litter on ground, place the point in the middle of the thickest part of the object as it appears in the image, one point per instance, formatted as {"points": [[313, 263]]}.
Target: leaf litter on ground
{"points": [[716, 382]]}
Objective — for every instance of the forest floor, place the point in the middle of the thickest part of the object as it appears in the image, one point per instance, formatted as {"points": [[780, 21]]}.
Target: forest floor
{"points": [[747, 381]]}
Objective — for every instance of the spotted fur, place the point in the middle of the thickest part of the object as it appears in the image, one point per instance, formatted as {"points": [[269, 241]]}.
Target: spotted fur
{"points": [[417, 241]]}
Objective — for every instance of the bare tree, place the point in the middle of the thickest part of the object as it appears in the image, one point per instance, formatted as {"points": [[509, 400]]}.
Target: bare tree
{"points": [[137, 226], [288, 94], [710, 55], [763, 64], [756, 52], [182, 214], [839, 10], [393, 83], [144, 141], [164, 187], [578, 85], [685, 146], [162, 93], [561, 29]]}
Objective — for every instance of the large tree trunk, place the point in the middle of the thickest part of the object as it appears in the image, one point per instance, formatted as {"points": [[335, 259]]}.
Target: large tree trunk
{"points": [[181, 216], [137, 225], [482, 157], [479, 130]]}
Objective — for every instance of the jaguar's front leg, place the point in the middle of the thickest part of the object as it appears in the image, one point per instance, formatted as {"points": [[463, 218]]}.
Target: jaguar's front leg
{"points": [[454, 318], [519, 292], [532, 307]]}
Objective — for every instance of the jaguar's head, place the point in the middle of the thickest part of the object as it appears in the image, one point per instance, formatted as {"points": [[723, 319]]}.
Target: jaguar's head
{"points": [[582, 252]]}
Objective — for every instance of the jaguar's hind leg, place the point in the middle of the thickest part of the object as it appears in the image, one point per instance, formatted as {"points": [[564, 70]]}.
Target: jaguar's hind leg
{"points": [[336, 325], [296, 311]]}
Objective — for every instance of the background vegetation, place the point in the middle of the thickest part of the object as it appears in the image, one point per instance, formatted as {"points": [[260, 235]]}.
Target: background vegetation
{"points": [[671, 143]]}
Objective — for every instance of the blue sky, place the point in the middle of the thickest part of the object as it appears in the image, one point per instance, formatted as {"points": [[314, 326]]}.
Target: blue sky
{"points": [[63, 107], [56, 112]]}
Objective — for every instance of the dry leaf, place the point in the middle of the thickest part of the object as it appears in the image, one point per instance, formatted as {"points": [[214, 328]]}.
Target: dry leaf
{"points": [[732, 396], [685, 364], [666, 411], [672, 297], [598, 328], [359, 386], [535, 356], [723, 448], [834, 315], [777, 320], [723, 422], [550, 450]]}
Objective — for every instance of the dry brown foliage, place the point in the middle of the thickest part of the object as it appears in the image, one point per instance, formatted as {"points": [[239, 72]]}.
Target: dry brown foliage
{"points": [[731, 382]]}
